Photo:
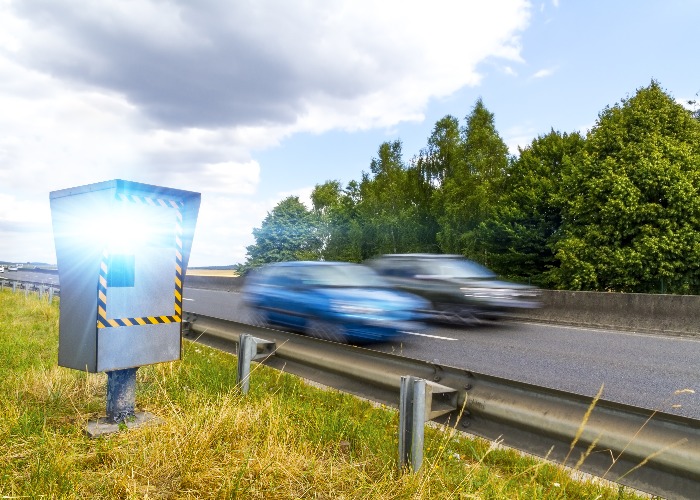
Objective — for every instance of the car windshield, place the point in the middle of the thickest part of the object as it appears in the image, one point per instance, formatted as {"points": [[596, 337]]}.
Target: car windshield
{"points": [[457, 268], [353, 276]]}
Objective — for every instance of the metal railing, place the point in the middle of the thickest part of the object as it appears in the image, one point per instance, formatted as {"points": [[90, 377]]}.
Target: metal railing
{"points": [[41, 289], [648, 450]]}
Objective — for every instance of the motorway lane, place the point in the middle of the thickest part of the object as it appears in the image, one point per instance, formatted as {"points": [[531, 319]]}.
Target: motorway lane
{"points": [[636, 369]]}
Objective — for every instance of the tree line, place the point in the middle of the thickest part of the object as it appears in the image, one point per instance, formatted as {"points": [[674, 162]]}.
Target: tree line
{"points": [[616, 209]]}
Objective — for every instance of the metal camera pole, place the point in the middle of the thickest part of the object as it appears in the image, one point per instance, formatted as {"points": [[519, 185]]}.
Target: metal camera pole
{"points": [[121, 395]]}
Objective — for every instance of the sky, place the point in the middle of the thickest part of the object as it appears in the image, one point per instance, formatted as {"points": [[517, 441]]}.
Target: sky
{"points": [[248, 102]]}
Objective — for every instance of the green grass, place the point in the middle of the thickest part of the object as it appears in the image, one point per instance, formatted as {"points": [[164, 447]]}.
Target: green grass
{"points": [[285, 439]]}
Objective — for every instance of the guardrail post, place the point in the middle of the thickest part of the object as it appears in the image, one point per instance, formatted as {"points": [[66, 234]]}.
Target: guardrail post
{"points": [[247, 352], [26, 290], [419, 401], [41, 292], [411, 422], [187, 319], [14, 286], [50, 295]]}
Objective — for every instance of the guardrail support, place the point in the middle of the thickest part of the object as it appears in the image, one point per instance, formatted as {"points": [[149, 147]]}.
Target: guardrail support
{"points": [[188, 319], [50, 295], [645, 449], [411, 422], [26, 290], [247, 352], [419, 401]]}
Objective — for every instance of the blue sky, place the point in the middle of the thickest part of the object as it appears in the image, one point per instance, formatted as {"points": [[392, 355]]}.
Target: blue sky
{"points": [[578, 57], [250, 102]]}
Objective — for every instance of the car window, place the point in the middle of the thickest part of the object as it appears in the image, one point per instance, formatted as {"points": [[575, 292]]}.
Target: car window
{"points": [[284, 276], [458, 268], [345, 275], [290, 276]]}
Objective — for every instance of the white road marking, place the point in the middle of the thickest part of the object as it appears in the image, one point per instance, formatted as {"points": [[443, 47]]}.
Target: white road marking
{"points": [[430, 336], [184, 298], [655, 335]]}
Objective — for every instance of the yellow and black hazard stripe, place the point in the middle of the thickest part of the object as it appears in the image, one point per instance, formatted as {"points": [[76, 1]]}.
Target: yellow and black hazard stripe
{"points": [[102, 320], [178, 262]]}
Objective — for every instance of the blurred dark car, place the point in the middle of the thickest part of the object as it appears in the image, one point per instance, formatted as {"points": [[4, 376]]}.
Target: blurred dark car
{"points": [[336, 301], [460, 291]]}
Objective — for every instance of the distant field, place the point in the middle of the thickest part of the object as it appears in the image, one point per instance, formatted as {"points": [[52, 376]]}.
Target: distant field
{"points": [[226, 273]]}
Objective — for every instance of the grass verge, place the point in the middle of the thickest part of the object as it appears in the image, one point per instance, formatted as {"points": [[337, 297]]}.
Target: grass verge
{"points": [[285, 439]]}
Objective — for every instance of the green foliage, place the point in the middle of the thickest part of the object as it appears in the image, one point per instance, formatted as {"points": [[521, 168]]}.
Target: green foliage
{"points": [[472, 189], [631, 204], [525, 225], [441, 159], [382, 200], [389, 207], [339, 227], [616, 210], [289, 232], [387, 212]]}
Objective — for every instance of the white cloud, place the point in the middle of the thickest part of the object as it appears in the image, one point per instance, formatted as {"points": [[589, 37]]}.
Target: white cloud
{"points": [[304, 195], [229, 177], [519, 137], [690, 103], [183, 95], [544, 73], [224, 228]]}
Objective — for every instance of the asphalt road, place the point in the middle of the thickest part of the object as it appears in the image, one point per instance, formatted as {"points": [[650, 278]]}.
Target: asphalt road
{"points": [[636, 369]]}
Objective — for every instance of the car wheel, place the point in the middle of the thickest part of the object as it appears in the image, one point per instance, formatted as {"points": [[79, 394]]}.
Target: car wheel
{"points": [[326, 330], [454, 315]]}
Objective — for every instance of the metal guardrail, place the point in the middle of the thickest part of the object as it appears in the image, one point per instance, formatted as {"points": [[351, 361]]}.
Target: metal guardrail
{"points": [[30, 286], [651, 451]]}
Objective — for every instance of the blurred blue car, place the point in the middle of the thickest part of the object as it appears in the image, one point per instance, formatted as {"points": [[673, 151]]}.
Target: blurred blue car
{"points": [[336, 301]]}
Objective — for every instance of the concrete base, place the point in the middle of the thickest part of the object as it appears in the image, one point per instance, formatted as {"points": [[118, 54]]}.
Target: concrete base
{"points": [[102, 426]]}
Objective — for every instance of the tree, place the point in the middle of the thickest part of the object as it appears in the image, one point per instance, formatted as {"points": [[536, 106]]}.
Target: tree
{"points": [[326, 201], [435, 163], [393, 210], [382, 198], [470, 193], [441, 158], [631, 201], [339, 227], [525, 225], [288, 232]]}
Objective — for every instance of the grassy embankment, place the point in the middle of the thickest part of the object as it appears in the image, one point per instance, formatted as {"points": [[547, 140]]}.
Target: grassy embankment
{"points": [[285, 439]]}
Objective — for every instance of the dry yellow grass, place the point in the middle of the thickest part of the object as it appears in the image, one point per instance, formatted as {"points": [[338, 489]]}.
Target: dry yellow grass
{"points": [[225, 273], [285, 439]]}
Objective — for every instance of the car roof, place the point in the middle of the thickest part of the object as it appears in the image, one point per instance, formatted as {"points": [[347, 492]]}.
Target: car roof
{"points": [[421, 256], [310, 263]]}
